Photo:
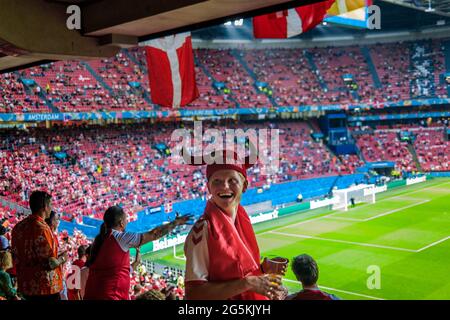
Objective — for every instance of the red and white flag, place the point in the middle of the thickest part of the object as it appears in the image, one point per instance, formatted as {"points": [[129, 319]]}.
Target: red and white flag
{"points": [[168, 207], [170, 62], [292, 22]]}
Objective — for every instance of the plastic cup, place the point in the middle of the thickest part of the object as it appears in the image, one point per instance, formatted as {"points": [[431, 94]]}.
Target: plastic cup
{"points": [[278, 262]]}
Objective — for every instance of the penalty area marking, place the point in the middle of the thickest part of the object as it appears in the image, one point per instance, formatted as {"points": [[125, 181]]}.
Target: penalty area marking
{"points": [[433, 244], [334, 213], [363, 244], [382, 214]]}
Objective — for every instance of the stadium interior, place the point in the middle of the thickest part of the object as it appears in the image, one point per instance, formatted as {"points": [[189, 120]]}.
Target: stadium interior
{"points": [[353, 106]]}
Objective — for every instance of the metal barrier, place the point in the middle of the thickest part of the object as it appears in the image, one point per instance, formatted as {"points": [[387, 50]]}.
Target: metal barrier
{"points": [[157, 268]]}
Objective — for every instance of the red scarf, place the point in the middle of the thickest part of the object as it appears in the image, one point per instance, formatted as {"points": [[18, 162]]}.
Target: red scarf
{"points": [[233, 250]]}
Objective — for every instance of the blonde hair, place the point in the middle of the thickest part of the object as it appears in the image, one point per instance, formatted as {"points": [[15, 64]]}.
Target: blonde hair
{"points": [[5, 260], [243, 180]]}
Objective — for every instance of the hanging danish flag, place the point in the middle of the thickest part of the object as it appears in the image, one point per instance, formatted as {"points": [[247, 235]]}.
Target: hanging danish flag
{"points": [[292, 22], [171, 71]]}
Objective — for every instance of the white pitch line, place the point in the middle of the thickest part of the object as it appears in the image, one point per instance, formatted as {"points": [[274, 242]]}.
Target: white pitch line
{"points": [[381, 214], [332, 214], [402, 198], [344, 241], [295, 224], [433, 244], [420, 190], [396, 210], [346, 219], [339, 290]]}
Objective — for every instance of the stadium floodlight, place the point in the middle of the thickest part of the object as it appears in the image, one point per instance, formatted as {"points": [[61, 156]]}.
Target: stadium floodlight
{"points": [[353, 195], [429, 9]]}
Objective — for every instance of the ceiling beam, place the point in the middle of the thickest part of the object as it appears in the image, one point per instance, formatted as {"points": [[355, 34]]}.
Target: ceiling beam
{"points": [[98, 18], [39, 27], [411, 6], [154, 18]]}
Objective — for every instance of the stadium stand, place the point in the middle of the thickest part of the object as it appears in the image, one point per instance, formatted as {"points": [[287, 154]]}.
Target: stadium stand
{"points": [[15, 98], [382, 145], [296, 77], [100, 166], [431, 148], [92, 168]]}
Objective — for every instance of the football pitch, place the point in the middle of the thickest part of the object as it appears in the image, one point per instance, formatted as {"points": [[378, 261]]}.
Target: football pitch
{"points": [[397, 248]]}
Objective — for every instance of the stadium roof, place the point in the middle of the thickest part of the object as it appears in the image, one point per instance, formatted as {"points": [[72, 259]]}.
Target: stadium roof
{"points": [[105, 26], [394, 17], [108, 25], [441, 7]]}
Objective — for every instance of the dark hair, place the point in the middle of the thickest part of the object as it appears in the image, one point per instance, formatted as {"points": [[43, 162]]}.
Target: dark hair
{"points": [[50, 218], [2, 230], [137, 288], [151, 295], [112, 217], [38, 200], [82, 251], [305, 269]]}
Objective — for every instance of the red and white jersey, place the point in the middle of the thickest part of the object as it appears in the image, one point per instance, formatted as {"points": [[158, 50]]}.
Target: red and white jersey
{"points": [[197, 254]]}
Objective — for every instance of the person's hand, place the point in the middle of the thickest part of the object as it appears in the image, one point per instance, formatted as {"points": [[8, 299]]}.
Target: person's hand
{"points": [[266, 285], [272, 266], [182, 220], [281, 294], [138, 256]]}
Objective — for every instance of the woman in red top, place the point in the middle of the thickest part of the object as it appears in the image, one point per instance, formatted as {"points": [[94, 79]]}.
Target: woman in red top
{"points": [[109, 261], [222, 255]]}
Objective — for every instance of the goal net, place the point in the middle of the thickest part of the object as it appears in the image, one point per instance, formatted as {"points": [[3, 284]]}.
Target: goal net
{"points": [[345, 198]]}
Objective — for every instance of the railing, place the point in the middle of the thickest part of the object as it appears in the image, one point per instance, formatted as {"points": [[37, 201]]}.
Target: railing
{"points": [[153, 267]]}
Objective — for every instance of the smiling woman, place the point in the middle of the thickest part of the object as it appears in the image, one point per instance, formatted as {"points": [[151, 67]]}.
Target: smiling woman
{"points": [[226, 187], [222, 255]]}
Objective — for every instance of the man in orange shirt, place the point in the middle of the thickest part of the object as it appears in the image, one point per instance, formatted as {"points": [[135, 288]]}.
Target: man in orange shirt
{"points": [[36, 252]]}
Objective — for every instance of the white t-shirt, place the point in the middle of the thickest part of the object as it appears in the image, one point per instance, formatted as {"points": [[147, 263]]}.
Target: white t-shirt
{"points": [[127, 240], [196, 252]]}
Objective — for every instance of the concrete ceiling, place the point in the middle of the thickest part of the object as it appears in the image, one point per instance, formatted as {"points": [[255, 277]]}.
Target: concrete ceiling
{"points": [[33, 31], [440, 7]]}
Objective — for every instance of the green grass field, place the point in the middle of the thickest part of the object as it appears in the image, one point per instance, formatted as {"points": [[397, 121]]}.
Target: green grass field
{"points": [[406, 234]]}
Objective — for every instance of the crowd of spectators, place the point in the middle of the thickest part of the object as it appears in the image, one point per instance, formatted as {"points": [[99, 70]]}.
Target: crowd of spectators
{"points": [[39, 264], [293, 77], [120, 164], [432, 149], [144, 284]]}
